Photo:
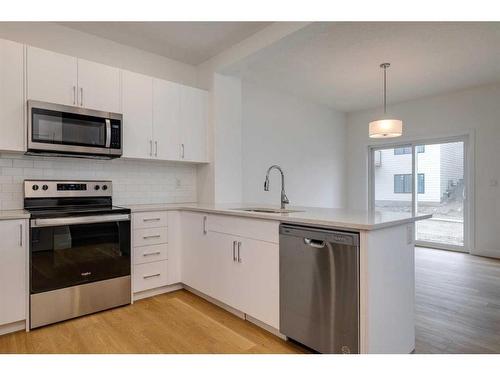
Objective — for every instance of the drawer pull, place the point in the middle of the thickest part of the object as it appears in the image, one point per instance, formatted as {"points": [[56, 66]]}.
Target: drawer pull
{"points": [[151, 219], [152, 236], [151, 276], [148, 254]]}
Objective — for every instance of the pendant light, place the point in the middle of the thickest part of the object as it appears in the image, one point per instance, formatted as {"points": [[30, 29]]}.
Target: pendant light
{"points": [[385, 127]]}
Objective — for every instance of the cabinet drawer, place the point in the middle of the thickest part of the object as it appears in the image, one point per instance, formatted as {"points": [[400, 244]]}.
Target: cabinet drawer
{"points": [[150, 275], [264, 230], [150, 236], [147, 254], [149, 219]]}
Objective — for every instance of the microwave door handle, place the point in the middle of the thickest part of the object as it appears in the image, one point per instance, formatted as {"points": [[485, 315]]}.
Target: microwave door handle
{"points": [[108, 133]]}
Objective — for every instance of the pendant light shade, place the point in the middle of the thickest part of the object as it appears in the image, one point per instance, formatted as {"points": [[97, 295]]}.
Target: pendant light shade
{"points": [[385, 127]]}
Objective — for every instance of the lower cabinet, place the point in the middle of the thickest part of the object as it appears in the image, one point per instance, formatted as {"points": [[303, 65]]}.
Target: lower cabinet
{"points": [[13, 288], [239, 271]]}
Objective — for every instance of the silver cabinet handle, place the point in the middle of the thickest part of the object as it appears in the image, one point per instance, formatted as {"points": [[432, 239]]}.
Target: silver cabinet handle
{"points": [[81, 96], [151, 219], [148, 254], [204, 225], [156, 148], [21, 235], [150, 276], [152, 236], [239, 252], [182, 150], [74, 95], [234, 251], [150, 147]]}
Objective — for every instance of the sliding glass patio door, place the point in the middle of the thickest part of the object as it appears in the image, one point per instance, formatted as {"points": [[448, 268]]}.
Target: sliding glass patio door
{"points": [[424, 178]]}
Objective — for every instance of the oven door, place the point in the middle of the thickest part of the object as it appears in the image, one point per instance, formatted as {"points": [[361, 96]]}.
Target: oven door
{"points": [[72, 251], [54, 128]]}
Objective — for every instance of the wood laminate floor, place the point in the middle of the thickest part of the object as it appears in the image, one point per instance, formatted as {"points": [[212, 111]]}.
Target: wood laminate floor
{"points": [[457, 311], [457, 303]]}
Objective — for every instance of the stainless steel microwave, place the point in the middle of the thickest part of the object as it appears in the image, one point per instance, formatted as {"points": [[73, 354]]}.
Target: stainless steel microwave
{"points": [[61, 130]]}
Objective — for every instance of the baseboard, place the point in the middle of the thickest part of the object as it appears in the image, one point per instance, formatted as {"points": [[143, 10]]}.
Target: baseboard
{"points": [[216, 302], [156, 291], [238, 313], [265, 326], [487, 253], [12, 327]]}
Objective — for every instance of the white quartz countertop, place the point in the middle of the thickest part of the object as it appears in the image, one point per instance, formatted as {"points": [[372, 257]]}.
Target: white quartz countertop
{"points": [[327, 217], [14, 214]]}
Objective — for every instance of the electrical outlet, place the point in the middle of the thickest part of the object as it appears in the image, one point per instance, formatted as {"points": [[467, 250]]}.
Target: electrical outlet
{"points": [[178, 182]]}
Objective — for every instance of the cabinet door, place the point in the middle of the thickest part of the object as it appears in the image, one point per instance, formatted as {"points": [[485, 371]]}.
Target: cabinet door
{"points": [[194, 120], [51, 77], [166, 120], [98, 86], [11, 96], [13, 292], [258, 281], [224, 269], [196, 256], [137, 104]]}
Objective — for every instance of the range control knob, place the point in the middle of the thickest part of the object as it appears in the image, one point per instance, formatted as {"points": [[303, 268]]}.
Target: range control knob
{"points": [[35, 187], [97, 187], [45, 187], [104, 187]]}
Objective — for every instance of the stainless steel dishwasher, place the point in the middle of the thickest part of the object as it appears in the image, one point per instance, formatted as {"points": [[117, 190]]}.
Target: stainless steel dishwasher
{"points": [[319, 288]]}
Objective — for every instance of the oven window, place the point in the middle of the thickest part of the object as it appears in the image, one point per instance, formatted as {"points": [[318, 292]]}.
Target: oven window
{"points": [[71, 255], [67, 128]]}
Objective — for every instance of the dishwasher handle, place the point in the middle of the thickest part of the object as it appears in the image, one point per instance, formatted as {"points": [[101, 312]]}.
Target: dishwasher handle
{"points": [[314, 243]]}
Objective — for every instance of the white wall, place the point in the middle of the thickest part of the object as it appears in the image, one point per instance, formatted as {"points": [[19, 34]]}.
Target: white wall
{"points": [[307, 140], [476, 110], [72, 42]]}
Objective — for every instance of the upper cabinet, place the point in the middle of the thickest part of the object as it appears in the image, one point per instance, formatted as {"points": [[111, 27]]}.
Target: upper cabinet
{"points": [[98, 86], [166, 119], [137, 102], [62, 79], [11, 96], [193, 121], [51, 77], [163, 120]]}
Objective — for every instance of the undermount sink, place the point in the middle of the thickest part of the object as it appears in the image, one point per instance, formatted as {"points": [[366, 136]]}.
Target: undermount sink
{"points": [[267, 210]]}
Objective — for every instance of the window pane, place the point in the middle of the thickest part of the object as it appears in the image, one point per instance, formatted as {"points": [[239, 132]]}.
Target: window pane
{"points": [[390, 170], [441, 193]]}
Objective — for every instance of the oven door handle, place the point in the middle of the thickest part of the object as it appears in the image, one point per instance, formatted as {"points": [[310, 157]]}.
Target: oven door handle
{"points": [[78, 220]]}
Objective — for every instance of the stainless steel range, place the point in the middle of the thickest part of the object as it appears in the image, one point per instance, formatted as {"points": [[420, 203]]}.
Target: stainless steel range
{"points": [[79, 249]]}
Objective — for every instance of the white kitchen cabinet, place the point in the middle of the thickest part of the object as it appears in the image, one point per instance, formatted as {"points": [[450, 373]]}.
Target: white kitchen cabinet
{"points": [[137, 106], [166, 120], [194, 123], [98, 86], [258, 280], [241, 272], [51, 77], [196, 255], [13, 289], [12, 134]]}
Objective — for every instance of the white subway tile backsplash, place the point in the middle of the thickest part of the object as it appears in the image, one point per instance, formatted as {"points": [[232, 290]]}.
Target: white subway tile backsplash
{"points": [[134, 182]]}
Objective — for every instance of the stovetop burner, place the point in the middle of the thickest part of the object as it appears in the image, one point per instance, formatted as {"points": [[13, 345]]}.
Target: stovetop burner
{"points": [[60, 198]]}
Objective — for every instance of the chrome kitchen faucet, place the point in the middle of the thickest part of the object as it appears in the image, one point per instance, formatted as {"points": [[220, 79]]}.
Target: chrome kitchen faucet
{"points": [[284, 198]]}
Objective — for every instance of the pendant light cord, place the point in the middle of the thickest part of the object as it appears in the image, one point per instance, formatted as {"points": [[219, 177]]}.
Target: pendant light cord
{"points": [[385, 89]]}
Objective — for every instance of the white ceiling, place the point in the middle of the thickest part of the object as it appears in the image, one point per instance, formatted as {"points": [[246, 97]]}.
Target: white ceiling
{"points": [[337, 64], [188, 42]]}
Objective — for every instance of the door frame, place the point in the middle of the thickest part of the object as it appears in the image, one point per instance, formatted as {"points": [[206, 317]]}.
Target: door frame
{"points": [[468, 138]]}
